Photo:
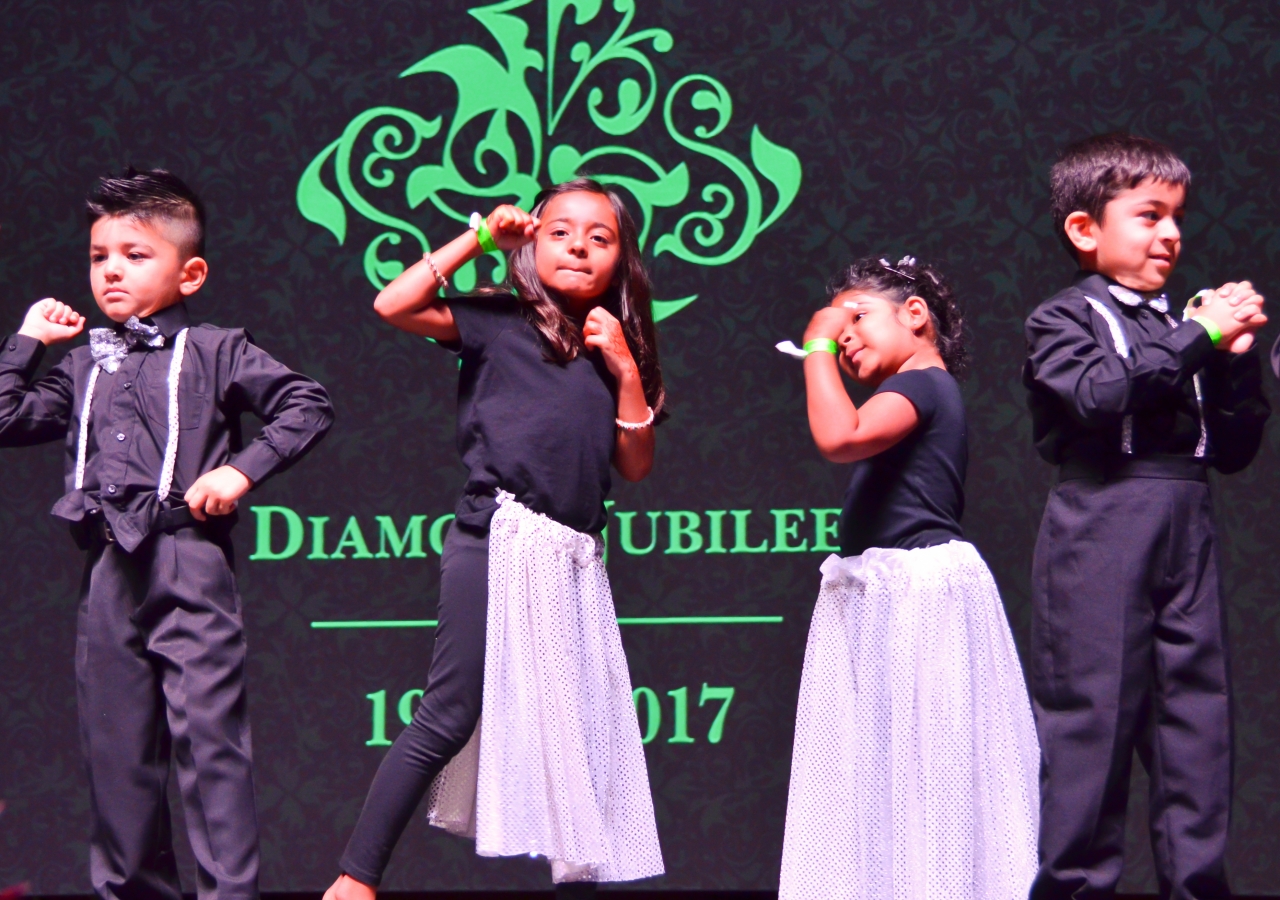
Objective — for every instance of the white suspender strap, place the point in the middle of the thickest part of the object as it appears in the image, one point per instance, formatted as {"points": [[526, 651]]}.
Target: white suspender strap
{"points": [[82, 439], [1117, 333], [1204, 432], [1122, 348], [1203, 443], [171, 446]]}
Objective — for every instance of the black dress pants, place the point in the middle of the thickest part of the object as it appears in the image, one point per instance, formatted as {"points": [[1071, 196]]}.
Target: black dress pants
{"points": [[1128, 651], [160, 655]]}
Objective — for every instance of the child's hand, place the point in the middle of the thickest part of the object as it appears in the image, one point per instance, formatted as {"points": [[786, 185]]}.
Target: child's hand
{"points": [[1236, 308], [603, 332], [1243, 295], [216, 493], [511, 227], [828, 322], [347, 888], [52, 322]]}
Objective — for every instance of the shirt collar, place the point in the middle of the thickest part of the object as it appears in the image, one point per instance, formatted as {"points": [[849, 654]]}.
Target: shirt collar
{"points": [[1100, 286], [171, 319]]}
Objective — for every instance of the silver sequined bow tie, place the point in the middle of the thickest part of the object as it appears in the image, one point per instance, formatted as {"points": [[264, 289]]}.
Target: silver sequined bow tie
{"points": [[109, 346], [1158, 302]]}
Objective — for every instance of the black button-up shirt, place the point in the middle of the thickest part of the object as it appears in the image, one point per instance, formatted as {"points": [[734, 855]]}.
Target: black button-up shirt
{"points": [[224, 374], [1081, 389]]}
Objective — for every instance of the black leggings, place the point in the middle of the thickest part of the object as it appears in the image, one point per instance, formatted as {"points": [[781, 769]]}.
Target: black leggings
{"points": [[447, 715]]}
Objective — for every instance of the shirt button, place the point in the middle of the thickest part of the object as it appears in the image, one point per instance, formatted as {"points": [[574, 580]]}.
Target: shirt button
{"points": [[111, 489], [13, 346], [120, 436], [127, 385]]}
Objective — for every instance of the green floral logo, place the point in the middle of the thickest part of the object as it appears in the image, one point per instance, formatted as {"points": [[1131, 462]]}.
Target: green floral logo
{"points": [[496, 96]]}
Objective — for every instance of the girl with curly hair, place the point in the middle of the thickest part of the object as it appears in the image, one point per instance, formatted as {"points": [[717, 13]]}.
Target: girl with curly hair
{"points": [[915, 767]]}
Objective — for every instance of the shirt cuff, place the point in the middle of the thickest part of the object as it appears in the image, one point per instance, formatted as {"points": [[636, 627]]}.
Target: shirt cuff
{"points": [[1193, 344], [1210, 326], [21, 353], [257, 461]]}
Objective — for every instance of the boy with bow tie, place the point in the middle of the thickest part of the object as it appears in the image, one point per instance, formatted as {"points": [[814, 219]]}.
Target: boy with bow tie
{"points": [[155, 465], [1128, 642]]}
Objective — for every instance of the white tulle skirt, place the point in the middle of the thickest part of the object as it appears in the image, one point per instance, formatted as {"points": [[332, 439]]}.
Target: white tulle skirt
{"points": [[915, 769], [556, 768]]}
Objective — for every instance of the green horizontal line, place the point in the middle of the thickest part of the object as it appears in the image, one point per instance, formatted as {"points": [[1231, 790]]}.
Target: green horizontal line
{"points": [[703, 620], [379, 623], [651, 620]]}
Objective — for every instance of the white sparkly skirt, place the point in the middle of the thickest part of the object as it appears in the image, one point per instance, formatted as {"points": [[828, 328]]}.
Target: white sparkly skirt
{"points": [[555, 768], [915, 770]]}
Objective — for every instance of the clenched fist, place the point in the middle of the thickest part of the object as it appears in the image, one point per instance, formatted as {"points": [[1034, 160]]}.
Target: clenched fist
{"points": [[52, 322], [603, 332], [511, 227], [216, 493]]}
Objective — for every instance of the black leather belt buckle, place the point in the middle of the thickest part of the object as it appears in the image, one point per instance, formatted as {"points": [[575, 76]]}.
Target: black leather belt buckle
{"points": [[99, 530]]}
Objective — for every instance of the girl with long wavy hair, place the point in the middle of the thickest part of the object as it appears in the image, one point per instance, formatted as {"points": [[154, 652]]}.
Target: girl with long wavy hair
{"points": [[526, 733]]}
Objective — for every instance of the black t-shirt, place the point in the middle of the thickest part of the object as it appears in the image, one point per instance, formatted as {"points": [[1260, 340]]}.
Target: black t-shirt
{"points": [[912, 495], [542, 431]]}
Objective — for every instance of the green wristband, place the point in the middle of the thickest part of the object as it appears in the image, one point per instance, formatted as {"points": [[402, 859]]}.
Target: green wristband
{"points": [[1215, 333], [821, 345], [487, 243]]}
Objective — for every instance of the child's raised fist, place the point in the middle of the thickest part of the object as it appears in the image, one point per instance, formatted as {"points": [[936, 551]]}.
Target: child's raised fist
{"points": [[602, 331], [511, 227], [828, 322], [51, 322]]}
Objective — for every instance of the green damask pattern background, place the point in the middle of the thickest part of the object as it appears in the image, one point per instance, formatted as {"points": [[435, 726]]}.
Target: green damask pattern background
{"points": [[489, 91], [921, 128]]}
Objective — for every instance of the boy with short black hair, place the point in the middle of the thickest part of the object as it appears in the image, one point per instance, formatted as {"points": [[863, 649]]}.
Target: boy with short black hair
{"points": [[1128, 637], [155, 465]]}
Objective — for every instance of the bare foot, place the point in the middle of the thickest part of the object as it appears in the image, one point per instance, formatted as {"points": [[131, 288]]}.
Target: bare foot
{"points": [[347, 888]]}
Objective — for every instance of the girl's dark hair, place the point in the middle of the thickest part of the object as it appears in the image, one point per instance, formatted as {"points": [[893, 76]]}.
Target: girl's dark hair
{"points": [[628, 297], [150, 195], [908, 278]]}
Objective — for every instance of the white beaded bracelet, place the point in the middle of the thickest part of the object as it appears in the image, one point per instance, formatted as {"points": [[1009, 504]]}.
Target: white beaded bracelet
{"points": [[442, 283], [636, 426]]}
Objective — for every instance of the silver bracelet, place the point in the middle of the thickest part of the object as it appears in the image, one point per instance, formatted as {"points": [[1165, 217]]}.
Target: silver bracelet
{"points": [[636, 426], [441, 282]]}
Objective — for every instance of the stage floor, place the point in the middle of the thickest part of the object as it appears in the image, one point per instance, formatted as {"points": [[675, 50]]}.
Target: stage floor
{"points": [[631, 894]]}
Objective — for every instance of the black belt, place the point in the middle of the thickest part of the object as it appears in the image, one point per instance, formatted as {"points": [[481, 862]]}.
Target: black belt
{"points": [[170, 520], [1177, 468], [167, 520]]}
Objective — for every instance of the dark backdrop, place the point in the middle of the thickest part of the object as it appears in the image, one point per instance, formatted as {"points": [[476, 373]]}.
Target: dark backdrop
{"points": [[922, 128]]}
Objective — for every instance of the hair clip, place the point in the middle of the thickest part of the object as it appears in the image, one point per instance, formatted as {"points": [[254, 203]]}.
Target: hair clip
{"points": [[905, 261]]}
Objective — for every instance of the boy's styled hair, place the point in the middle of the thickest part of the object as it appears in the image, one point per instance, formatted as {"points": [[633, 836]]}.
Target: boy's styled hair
{"points": [[1091, 173], [153, 195], [628, 297], [906, 279]]}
